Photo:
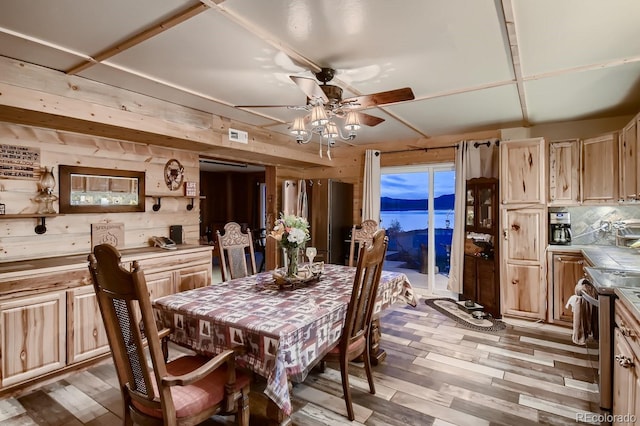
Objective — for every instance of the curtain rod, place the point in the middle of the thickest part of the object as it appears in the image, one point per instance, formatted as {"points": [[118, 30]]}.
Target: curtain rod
{"points": [[419, 149], [475, 144]]}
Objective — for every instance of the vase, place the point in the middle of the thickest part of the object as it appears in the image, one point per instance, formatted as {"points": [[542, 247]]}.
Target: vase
{"points": [[292, 262]]}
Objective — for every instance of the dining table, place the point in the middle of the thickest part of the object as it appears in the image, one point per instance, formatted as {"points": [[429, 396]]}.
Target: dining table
{"points": [[284, 331]]}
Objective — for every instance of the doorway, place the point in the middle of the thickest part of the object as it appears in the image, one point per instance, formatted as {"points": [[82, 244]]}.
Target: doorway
{"points": [[416, 209]]}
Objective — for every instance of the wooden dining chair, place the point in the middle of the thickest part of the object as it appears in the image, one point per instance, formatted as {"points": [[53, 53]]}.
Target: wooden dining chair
{"points": [[359, 235], [355, 339], [185, 391], [234, 245]]}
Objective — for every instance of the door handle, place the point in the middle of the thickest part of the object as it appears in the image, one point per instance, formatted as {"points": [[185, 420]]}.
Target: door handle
{"points": [[624, 361]]}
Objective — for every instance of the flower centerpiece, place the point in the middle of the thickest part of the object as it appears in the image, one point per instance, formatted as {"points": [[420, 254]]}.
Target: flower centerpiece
{"points": [[292, 233]]}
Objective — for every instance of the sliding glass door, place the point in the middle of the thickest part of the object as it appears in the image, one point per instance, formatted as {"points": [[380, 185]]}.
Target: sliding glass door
{"points": [[417, 210]]}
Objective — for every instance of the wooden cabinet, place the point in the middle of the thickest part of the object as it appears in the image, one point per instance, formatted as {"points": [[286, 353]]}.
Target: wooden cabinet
{"points": [[564, 270], [523, 223], [49, 317], [522, 167], [33, 336], [481, 281], [86, 336], [564, 172], [600, 169], [523, 292], [626, 362]]}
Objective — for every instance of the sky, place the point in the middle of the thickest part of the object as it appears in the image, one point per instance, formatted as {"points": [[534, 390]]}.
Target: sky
{"points": [[414, 186]]}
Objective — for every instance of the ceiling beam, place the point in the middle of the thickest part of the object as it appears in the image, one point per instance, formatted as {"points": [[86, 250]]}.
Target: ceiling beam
{"points": [[138, 38], [510, 25]]}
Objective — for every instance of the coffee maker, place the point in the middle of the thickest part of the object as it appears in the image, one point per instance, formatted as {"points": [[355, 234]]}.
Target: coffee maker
{"points": [[559, 228]]}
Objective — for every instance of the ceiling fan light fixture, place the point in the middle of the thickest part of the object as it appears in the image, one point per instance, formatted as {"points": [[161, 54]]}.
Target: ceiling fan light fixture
{"points": [[352, 122], [298, 127], [319, 116], [330, 131]]}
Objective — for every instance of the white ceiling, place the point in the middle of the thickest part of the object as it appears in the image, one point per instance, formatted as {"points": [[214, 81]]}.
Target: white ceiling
{"points": [[472, 64]]}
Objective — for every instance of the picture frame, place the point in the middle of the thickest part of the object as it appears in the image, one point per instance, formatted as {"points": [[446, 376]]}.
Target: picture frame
{"points": [[97, 190]]}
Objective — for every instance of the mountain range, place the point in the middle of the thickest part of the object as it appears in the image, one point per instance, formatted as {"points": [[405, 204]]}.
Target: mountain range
{"points": [[443, 202]]}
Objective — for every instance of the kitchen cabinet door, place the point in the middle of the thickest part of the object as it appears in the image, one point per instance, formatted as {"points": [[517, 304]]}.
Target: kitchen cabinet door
{"points": [[564, 173], [33, 336], [86, 336], [522, 171], [522, 292], [625, 378], [629, 161], [194, 277], [523, 236], [522, 288], [600, 169], [566, 270]]}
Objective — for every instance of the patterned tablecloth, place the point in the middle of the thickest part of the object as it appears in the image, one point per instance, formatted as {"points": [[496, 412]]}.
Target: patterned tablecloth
{"points": [[285, 332]]}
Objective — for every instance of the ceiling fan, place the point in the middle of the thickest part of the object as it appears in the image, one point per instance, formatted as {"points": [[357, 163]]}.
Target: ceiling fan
{"points": [[330, 96]]}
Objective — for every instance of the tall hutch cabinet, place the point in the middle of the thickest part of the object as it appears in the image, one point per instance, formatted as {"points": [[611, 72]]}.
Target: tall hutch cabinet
{"points": [[481, 282], [523, 223]]}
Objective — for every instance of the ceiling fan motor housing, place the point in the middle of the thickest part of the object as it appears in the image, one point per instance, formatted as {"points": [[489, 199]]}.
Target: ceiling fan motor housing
{"points": [[334, 93]]}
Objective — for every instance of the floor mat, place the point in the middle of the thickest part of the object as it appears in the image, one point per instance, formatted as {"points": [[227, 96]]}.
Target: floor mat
{"points": [[453, 310]]}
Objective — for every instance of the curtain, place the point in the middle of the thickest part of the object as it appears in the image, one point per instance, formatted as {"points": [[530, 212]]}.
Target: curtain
{"points": [[457, 239], [482, 159], [473, 159], [302, 209], [371, 186]]}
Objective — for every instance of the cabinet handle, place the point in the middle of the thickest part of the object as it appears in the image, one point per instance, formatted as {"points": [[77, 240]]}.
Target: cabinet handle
{"points": [[505, 233], [624, 361], [625, 331]]}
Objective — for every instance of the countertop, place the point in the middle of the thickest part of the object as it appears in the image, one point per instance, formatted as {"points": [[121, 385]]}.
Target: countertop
{"points": [[16, 269]]}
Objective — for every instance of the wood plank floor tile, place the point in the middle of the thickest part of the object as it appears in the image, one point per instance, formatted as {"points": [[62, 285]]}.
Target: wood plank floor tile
{"points": [[45, 410], [537, 359], [514, 409], [549, 344], [552, 387], [81, 405], [437, 411], [470, 367], [9, 408], [331, 402], [555, 408]]}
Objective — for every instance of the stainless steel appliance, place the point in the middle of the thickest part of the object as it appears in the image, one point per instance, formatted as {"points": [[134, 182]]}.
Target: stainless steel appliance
{"points": [[605, 282], [559, 228]]}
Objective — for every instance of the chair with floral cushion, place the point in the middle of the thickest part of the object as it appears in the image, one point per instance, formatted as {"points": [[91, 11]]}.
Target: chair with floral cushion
{"points": [[234, 247], [359, 235], [185, 391], [355, 339]]}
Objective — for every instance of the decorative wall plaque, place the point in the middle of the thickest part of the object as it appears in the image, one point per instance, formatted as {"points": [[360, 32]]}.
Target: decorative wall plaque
{"points": [[107, 233], [19, 162]]}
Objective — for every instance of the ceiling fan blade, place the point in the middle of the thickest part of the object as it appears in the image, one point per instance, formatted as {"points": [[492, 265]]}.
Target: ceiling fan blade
{"points": [[310, 87], [369, 120], [379, 99]]}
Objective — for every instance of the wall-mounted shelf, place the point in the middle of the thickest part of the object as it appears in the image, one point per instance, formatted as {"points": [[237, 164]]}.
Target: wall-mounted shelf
{"points": [[158, 204], [41, 228]]}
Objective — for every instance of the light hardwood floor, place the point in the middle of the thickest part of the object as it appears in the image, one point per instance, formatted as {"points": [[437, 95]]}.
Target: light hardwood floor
{"points": [[435, 373]]}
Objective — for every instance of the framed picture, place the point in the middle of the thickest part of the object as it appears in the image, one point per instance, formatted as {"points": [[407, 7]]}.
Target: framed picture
{"points": [[95, 190]]}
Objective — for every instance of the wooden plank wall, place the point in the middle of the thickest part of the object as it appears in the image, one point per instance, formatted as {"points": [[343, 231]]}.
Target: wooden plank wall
{"points": [[71, 233]]}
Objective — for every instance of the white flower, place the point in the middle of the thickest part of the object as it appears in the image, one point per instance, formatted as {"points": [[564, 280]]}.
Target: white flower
{"points": [[297, 236]]}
